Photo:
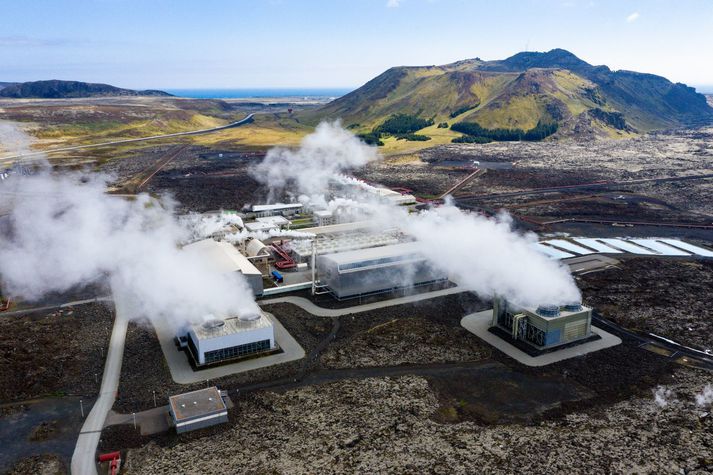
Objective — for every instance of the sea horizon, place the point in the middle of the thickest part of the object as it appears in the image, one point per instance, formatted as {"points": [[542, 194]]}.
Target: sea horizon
{"points": [[246, 93]]}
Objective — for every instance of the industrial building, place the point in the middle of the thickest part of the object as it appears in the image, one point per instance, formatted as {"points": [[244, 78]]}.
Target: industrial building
{"points": [[225, 258], [217, 340], [376, 270], [197, 409], [544, 327], [281, 209], [258, 253], [394, 197]]}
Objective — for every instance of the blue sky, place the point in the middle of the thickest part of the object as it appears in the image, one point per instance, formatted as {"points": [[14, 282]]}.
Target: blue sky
{"points": [[336, 43]]}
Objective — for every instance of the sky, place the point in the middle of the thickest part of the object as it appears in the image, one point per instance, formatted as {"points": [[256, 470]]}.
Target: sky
{"points": [[337, 43]]}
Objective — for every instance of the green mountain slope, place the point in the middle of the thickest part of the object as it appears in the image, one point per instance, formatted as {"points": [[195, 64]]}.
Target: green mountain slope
{"points": [[521, 91]]}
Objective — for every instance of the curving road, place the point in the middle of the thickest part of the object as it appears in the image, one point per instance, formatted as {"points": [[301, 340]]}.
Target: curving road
{"points": [[84, 456], [246, 120], [317, 311]]}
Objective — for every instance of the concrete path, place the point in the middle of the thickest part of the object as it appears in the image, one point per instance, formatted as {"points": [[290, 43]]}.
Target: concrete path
{"points": [[84, 457], [183, 373], [152, 421], [479, 322], [318, 311]]}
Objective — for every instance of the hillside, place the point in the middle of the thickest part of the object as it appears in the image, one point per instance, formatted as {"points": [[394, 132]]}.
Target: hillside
{"points": [[520, 92], [56, 89]]}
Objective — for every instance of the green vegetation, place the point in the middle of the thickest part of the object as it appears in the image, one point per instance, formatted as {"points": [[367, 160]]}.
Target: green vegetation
{"points": [[470, 139], [473, 129], [460, 110], [443, 125], [371, 138], [402, 124], [413, 137]]}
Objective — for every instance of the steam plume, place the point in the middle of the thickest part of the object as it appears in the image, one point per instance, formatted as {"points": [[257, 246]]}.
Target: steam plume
{"points": [[67, 232], [328, 151]]}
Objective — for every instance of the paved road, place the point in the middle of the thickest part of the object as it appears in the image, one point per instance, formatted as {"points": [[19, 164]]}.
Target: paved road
{"points": [[318, 311], [84, 457], [246, 120]]}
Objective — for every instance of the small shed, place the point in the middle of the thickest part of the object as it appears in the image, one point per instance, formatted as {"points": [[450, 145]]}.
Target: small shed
{"points": [[197, 409]]}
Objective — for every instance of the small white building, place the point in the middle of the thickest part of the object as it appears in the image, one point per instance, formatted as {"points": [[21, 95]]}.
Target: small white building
{"points": [[324, 218], [218, 340], [225, 258]]}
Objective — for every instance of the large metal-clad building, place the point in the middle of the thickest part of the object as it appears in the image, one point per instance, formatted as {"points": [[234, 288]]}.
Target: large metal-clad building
{"points": [[376, 270]]}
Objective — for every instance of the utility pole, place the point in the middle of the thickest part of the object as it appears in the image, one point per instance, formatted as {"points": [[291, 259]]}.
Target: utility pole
{"points": [[81, 408], [314, 270]]}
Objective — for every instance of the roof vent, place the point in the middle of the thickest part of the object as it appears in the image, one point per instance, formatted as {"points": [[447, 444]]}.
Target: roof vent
{"points": [[572, 307], [548, 310], [249, 317], [213, 324]]}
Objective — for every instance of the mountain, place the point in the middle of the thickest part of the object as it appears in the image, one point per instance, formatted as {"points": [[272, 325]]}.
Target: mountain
{"points": [[522, 91], [56, 89], [5, 84]]}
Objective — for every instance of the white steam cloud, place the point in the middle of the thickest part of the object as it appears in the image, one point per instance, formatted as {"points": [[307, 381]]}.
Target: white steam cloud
{"points": [[705, 398], [67, 232], [307, 170], [488, 257], [483, 255], [663, 397]]}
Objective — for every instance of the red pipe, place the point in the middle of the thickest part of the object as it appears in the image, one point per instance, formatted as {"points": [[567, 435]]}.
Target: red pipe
{"points": [[110, 456], [287, 261]]}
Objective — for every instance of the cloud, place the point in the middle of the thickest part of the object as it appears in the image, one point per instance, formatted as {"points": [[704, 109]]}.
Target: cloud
{"points": [[633, 17], [393, 3]]}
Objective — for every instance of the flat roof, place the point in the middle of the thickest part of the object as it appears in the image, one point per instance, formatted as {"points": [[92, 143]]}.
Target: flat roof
{"points": [[222, 256], [278, 220], [260, 226], [337, 228], [369, 253], [198, 403], [562, 314], [276, 206], [231, 325]]}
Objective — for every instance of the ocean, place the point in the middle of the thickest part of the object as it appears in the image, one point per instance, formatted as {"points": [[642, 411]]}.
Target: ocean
{"points": [[257, 92]]}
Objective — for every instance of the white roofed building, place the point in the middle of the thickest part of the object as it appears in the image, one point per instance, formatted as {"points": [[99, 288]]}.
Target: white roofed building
{"points": [[284, 209], [223, 257], [217, 340]]}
